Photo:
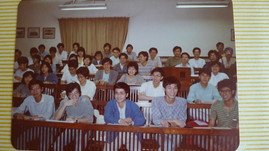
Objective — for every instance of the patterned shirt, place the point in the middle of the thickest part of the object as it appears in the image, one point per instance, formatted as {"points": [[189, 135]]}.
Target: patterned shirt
{"points": [[223, 117], [145, 70], [161, 110]]}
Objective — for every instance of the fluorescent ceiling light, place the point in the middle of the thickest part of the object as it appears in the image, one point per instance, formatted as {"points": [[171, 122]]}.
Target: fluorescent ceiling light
{"points": [[93, 6], [202, 4]]}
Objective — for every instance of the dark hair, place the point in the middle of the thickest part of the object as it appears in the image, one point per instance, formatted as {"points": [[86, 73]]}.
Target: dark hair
{"points": [[53, 49], [123, 54], [171, 80], [82, 50], [145, 54], [219, 43], [196, 48], [116, 48], [157, 69], [41, 46], [206, 71], [215, 52], [33, 50], [153, 48], [73, 63], [107, 45], [38, 57], [177, 47], [185, 53], [89, 57], [105, 60], [48, 56], [133, 64], [84, 71], [98, 53], [129, 45], [26, 74], [73, 55], [46, 64], [215, 63], [60, 45], [226, 83], [34, 82], [18, 51], [23, 60], [76, 43], [229, 49], [122, 85], [72, 86]]}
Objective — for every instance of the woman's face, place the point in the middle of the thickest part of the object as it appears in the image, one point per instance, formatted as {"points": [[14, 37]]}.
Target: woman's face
{"points": [[98, 57], [215, 68], [171, 91], [142, 58], [87, 62], [28, 79], [48, 60], [80, 53], [82, 79], [132, 70], [120, 95], [44, 69], [75, 48], [74, 95]]}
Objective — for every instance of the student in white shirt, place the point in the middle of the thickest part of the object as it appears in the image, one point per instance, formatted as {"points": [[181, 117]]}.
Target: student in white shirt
{"points": [[62, 54], [87, 87], [88, 63], [129, 51], [154, 88], [184, 62], [153, 58], [75, 48], [23, 67], [70, 75], [115, 57], [81, 54], [54, 57], [216, 75], [196, 61]]}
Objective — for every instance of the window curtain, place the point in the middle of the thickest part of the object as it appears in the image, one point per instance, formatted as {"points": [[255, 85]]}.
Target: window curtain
{"points": [[93, 33]]}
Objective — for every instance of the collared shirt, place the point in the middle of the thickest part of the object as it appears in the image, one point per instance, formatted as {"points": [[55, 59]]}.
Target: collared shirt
{"points": [[115, 60], [145, 70], [62, 56], [149, 89], [156, 61], [215, 79], [207, 95], [105, 76], [197, 63], [161, 110], [69, 78], [88, 89], [132, 56], [45, 108]]}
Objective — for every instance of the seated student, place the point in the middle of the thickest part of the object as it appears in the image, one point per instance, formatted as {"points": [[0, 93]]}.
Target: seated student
{"points": [[203, 92], [106, 50], [98, 57], [106, 76], [196, 61], [220, 47], [46, 75], [121, 67], [132, 77], [213, 55], [228, 59], [169, 110], [88, 63], [144, 66], [121, 110], [42, 51], [71, 57], [40, 106], [75, 47], [61, 54], [185, 62], [70, 75], [81, 54], [175, 60], [153, 58], [23, 67], [154, 88], [36, 64], [216, 75], [48, 59], [224, 113], [23, 89], [129, 51], [87, 87], [17, 55], [33, 52], [76, 107], [54, 57], [115, 57]]}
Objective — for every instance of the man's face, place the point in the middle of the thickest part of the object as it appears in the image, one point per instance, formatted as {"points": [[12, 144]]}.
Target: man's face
{"points": [[226, 93], [107, 66], [120, 95], [213, 57], [123, 60], [82, 79], [72, 70], [157, 77], [177, 53], [36, 90], [215, 69], [106, 50], [171, 91], [74, 95], [60, 49], [184, 59], [116, 53], [204, 78], [41, 49], [153, 54], [220, 47], [196, 53], [23, 66]]}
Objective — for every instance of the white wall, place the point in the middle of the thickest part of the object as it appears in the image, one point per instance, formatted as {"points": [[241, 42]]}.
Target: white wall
{"points": [[155, 23]]}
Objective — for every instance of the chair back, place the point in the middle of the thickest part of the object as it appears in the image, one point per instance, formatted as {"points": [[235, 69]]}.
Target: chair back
{"points": [[145, 107]]}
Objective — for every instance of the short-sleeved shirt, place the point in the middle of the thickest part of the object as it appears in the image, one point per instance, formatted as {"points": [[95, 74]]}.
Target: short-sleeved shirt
{"points": [[88, 89], [19, 73], [156, 61], [197, 63], [69, 78], [223, 117], [215, 79], [145, 70], [136, 80], [45, 108], [149, 89], [62, 56], [132, 56], [83, 108], [161, 110], [206, 95]]}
